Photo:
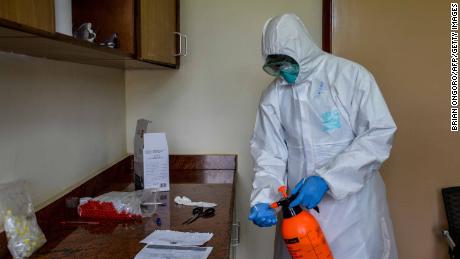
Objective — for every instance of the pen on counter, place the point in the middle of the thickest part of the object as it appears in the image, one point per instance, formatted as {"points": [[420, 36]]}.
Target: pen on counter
{"points": [[79, 222], [153, 203]]}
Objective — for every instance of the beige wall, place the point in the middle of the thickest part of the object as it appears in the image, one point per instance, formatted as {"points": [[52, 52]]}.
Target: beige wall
{"points": [[406, 46], [209, 105], [59, 122]]}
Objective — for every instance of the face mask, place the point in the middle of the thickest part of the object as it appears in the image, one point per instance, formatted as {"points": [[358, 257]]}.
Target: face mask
{"points": [[282, 66], [289, 77]]}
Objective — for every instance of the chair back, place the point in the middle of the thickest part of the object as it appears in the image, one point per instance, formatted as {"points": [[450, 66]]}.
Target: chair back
{"points": [[451, 197]]}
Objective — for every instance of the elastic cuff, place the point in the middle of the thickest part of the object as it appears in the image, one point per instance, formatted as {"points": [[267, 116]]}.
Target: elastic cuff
{"points": [[266, 195], [323, 173]]}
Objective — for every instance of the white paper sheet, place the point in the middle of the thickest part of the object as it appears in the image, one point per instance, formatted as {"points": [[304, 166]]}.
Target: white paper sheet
{"points": [[177, 238], [156, 162], [173, 252]]}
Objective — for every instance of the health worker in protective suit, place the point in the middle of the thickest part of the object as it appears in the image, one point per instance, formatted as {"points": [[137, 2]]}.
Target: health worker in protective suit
{"points": [[323, 129]]}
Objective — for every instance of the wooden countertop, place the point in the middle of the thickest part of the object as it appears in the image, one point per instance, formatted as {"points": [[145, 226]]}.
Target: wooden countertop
{"points": [[121, 239]]}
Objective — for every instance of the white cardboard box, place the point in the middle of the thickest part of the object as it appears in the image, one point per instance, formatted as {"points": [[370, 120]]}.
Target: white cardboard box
{"points": [[156, 162]]}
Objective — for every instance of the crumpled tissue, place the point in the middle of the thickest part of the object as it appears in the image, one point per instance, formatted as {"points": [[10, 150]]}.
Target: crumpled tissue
{"points": [[184, 200]]}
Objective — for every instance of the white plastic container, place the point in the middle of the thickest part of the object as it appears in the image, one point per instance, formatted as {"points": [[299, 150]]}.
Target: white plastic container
{"points": [[63, 16]]}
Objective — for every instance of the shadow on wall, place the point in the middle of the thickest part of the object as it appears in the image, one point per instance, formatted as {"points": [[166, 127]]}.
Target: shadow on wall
{"points": [[61, 122]]}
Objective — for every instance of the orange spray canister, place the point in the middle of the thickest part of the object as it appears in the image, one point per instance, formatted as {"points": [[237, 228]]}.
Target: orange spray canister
{"points": [[301, 232]]}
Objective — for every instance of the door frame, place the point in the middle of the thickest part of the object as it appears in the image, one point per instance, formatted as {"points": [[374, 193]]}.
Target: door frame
{"points": [[327, 25]]}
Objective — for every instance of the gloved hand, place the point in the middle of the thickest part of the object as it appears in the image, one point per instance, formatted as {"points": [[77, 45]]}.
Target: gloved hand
{"points": [[309, 192], [263, 215]]}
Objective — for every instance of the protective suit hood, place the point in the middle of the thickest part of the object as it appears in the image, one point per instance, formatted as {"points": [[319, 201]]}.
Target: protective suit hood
{"points": [[287, 35]]}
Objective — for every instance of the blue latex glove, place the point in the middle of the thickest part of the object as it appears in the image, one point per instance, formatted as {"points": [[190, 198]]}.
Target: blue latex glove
{"points": [[309, 192], [263, 215]]}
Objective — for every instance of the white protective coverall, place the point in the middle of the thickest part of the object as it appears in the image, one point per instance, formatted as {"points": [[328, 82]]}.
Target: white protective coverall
{"points": [[333, 122]]}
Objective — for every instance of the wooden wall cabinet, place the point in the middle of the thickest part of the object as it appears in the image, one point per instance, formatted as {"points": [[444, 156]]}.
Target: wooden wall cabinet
{"points": [[149, 32], [37, 14], [159, 38]]}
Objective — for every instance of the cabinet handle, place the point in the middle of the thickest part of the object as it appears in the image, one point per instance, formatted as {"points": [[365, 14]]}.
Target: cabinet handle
{"points": [[180, 44], [236, 241], [185, 43]]}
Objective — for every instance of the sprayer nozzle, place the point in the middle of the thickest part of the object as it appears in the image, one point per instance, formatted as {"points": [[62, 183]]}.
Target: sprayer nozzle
{"points": [[274, 205], [283, 191]]}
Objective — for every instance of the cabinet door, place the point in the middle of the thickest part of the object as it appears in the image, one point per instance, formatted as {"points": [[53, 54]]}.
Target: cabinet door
{"points": [[158, 21], [34, 13]]}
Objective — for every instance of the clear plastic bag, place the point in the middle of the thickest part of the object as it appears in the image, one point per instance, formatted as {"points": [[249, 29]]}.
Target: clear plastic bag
{"points": [[18, 217], [120, 205], [112, 205]]}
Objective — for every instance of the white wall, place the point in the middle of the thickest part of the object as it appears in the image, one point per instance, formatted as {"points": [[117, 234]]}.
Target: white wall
{"points": [[209, 105], [59, 122]]}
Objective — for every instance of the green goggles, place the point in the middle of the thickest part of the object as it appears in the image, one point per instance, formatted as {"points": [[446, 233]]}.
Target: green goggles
{"points": [[275, 64]]}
